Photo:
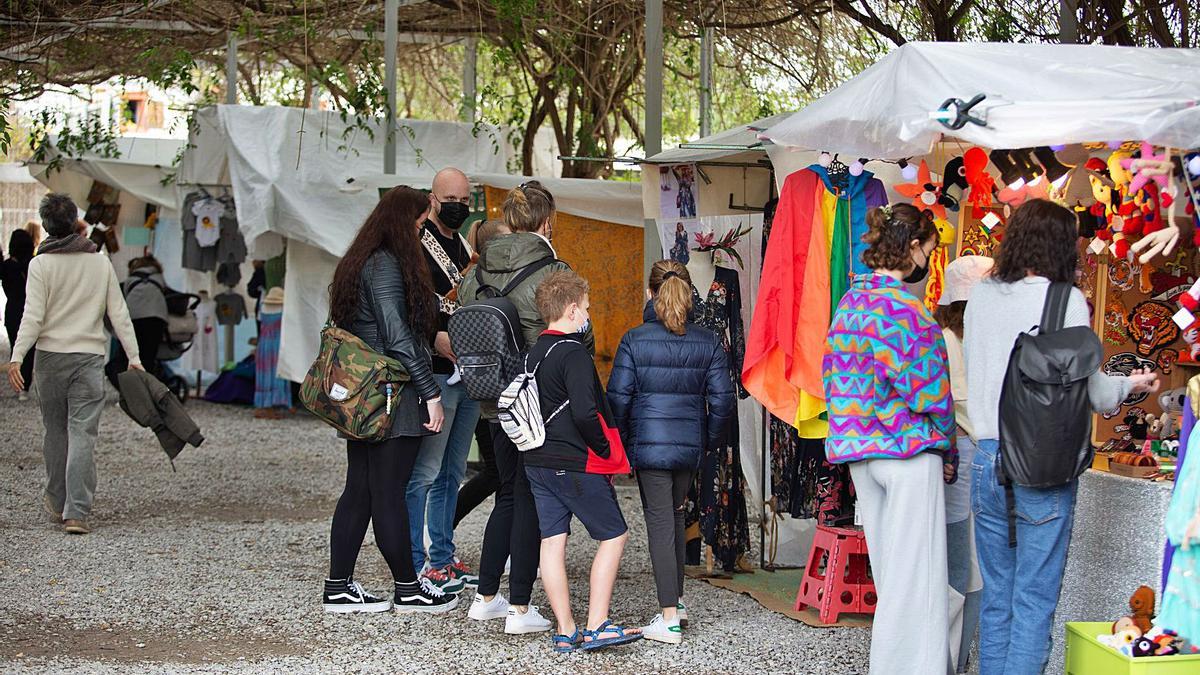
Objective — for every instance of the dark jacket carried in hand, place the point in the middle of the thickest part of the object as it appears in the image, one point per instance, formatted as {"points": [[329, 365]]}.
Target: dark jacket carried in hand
{"points": [[149, 403], [582, 437], [382, 322], [671, 394]]}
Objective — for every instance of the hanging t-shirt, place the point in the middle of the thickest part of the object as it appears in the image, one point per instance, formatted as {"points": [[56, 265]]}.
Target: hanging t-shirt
{"points": [[208, 221], [203, 354], [231, 308], [195, 256]]}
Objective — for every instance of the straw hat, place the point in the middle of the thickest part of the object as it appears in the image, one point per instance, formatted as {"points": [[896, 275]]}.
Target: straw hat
{"points": [[273, 300]]}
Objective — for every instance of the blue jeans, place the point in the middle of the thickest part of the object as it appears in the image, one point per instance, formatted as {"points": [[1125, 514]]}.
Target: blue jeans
{"points": [[441, 467], [1020, 585]]}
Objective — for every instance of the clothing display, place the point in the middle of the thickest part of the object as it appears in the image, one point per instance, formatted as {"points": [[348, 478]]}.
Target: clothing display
{"points": [[210, 232], [231, 308], [274, 271], [804, 484], [718, 500], [229, 274], [1181, 596], [270, 391], [203, 354]]}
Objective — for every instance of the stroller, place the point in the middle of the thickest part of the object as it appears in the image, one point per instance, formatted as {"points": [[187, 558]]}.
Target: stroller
{"points": [[178, 335], [181, 331]]}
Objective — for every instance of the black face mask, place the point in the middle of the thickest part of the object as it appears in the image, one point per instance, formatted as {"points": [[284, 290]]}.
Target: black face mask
{"points": [[917, 275], [454, 214]]}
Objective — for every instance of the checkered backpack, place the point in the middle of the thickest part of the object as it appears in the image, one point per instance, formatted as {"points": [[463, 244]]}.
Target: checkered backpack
{"points": [[520, 407], [487, 339]]}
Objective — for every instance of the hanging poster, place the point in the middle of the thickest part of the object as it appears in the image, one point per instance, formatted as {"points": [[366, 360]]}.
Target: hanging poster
{"points": [[677, 191], [678, 238]]}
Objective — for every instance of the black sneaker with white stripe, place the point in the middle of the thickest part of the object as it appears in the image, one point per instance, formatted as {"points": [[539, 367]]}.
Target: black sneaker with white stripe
{"points": [[423, 596], [343, 596]]}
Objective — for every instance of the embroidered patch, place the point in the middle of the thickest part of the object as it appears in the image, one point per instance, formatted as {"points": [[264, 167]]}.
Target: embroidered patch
{"points": [[1151, 326], [1167, 359], [1123, 273], [1115, 323], [1125, 363]]}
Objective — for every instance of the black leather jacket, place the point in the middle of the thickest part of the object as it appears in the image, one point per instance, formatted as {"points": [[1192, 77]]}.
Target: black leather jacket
{"points": [[382, 323]]}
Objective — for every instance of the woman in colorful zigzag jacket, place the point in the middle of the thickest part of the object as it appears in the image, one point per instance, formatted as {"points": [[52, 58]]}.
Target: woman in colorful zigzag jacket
{"points": [[891, 417]]}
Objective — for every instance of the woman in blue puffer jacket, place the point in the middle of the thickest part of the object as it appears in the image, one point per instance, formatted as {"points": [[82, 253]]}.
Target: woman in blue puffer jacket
{"points": [[672, 398]]}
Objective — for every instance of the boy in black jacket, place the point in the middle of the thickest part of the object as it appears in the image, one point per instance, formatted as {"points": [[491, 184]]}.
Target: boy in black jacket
{"points": [[571, 474]]}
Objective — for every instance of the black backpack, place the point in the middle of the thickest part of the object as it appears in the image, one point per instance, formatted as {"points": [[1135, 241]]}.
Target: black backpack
{"points": [[1045, 413], [487, 339]]}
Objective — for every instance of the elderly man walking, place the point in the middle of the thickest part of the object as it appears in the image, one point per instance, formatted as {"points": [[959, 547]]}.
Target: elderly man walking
{"points": [[442, 460], [68, 293]]}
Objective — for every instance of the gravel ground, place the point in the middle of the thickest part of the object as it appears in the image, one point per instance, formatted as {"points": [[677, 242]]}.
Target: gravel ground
{"points": [[217, 568]]}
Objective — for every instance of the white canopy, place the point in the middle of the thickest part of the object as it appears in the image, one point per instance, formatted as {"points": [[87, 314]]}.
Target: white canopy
{"points": [[611, 201], [320, 185], [140, 167], [1037, 94], [731, 141]]}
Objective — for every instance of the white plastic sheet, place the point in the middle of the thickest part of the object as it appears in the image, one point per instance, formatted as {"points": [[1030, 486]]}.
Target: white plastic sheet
{"points": [[1037, 94], [609, 201]]}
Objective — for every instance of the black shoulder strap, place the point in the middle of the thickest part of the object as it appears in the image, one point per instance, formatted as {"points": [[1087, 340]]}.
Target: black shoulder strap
{"points": [[515, 282], [143, 279], [1054, 312]]}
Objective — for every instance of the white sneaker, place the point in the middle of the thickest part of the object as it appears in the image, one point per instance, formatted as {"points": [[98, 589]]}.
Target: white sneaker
{"points": [[681, 613], [661, 630], [481, 610], [531, 621]]}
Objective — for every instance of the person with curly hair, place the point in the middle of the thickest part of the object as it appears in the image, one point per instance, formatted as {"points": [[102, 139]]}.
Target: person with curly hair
{"points": [[1021, 585], [891, 417]]}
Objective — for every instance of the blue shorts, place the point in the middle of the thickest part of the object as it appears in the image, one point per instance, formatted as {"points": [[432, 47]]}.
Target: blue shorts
{"points": [[590, 497]]}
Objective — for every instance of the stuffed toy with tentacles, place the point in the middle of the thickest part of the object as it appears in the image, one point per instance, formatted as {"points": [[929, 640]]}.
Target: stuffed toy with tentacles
{"points": [[975, 162]]}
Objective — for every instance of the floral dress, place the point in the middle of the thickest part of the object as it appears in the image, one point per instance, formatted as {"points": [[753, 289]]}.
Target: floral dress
{"points": [[717, 499]]}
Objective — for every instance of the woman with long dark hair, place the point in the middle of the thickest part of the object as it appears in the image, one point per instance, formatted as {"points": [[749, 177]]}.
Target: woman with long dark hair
{"points": [[382, 293], [1021, 585], [14, 273]]}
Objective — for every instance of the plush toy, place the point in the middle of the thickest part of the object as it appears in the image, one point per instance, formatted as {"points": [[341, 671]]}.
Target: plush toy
{"points": [[1141, 603], [1148, 167], [925, 194], [954, 175], [982, 184], [1138, 427], [937, 263], [1154, 426], [1122, 640]]}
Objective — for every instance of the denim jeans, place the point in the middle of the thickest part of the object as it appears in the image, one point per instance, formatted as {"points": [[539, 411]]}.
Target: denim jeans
{"points": [[441, 466], [1020, 585]]}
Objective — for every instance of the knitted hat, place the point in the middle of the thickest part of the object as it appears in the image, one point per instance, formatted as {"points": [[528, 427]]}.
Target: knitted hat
{"points": [[961, 276]]}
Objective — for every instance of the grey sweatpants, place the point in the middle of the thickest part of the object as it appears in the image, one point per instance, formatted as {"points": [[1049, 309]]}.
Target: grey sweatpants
{"points": [[664, 494], [71, 391], [904, 518]]}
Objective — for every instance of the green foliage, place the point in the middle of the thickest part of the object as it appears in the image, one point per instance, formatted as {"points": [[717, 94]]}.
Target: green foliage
{"points": [[72, 138]]}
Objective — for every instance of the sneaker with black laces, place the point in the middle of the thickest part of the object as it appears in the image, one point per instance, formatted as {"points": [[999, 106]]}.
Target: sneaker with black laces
{"points": [[345, 596], [443, 581], [459, 571], [423, 596]]}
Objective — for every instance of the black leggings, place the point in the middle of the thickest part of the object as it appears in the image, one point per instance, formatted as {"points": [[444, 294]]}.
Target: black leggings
{"points": [[376, 481], [512, 528], [483, 484]]}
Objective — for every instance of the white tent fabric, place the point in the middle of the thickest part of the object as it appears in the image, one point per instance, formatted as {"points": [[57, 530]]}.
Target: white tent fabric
{"points": [[140, 168], [1037, 94], [735, 140], [319, 186], [610, 201]]}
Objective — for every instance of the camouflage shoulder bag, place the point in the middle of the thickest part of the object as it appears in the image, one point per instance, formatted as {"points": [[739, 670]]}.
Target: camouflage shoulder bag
{"points": [[352, 387]]}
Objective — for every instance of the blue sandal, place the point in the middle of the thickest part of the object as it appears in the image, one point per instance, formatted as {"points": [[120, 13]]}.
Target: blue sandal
{"points": [[591, 641], [565, 644]]}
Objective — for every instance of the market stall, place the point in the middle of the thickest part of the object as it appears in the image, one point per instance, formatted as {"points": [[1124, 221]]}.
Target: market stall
{"points": [[1110, 132]]}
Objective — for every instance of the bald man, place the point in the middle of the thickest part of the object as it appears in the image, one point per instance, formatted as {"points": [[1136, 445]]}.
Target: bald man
{"points": [[442, 460]]}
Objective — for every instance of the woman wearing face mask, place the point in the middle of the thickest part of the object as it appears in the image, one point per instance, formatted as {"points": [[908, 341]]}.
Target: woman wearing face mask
{"points": [[891, 417], [512, 529]]}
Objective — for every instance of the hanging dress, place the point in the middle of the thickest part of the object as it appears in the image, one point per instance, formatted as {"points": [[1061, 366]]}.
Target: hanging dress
{"points": [[717, 499], [270, 391]]}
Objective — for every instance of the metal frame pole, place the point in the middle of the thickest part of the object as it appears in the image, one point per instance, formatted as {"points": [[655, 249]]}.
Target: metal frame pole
{"points": [[470, 63], [391, 9], [652, 127], [706, 66], [231, 97]]}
